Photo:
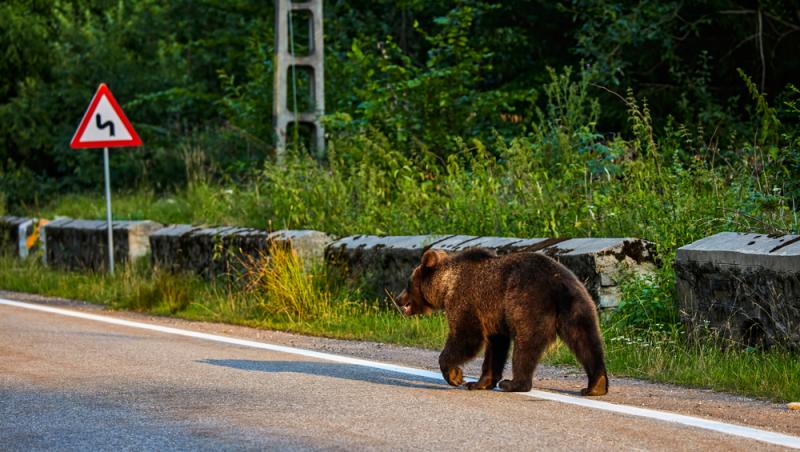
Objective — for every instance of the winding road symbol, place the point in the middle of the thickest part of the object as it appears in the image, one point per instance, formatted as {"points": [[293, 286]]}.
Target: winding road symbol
{"points": [[102, 125]]}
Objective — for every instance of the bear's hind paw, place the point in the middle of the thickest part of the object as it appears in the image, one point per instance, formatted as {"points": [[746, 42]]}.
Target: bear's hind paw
{"points": [[597, 391], [515, 386], [477, 385]]}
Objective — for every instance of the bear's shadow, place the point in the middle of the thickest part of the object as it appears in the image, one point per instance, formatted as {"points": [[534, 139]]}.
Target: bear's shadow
{"points": [[331, 370]]}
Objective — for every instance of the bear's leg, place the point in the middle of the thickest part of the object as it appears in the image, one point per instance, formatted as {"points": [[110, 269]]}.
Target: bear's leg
{"points": [[458, 350], [582, 335], [528, 349], [493, 363]]}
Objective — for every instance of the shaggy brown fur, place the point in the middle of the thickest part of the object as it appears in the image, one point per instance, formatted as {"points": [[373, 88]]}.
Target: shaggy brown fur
{"points": [[490, 301]]}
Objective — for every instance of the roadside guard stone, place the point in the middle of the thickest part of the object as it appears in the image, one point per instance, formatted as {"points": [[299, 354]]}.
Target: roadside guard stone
{"points": [[384, 263], [741, 287], [378, 263], [14, 232], [83, 244], [214, 252]]}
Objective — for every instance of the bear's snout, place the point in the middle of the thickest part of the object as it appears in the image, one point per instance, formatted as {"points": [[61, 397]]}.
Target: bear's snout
{"points": [[403, 303]]}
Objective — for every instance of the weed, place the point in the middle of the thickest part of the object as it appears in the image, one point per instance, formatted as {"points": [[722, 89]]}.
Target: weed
{"points": [[281, 286], [647, 303]]}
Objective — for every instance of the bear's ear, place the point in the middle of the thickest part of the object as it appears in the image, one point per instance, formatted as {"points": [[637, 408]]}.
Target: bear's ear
{"points": [[431, 258]]}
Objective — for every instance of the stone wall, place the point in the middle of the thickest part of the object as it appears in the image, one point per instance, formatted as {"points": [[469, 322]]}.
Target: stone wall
{"points": [[83, 244], [218, 251], [742, 287], [378, 263], [14, 232], [599, 263], [385, 263]]}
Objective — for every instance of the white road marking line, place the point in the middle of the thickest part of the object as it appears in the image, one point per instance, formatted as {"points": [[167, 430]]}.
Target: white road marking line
{"points": [[729, 429]]}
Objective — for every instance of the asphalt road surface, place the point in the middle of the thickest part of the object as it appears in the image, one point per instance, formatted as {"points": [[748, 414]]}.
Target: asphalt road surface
{"points": [[71, 383]]}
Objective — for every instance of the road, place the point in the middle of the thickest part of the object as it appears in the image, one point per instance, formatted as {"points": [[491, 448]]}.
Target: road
{"points": [[74, 383]]}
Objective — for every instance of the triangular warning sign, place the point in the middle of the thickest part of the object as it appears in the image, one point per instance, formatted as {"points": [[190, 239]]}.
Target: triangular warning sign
{"points": [[104, 125]]}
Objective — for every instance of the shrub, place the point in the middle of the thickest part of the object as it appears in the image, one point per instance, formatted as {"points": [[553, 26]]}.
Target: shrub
{"points": [[648, 304]]}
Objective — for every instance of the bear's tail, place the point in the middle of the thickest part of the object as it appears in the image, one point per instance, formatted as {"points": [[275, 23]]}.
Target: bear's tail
{"points": [[578, 326]]}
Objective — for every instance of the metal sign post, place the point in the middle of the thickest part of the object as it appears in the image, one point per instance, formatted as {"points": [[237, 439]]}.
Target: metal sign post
{"points": [[107, 173], [105, 125]]}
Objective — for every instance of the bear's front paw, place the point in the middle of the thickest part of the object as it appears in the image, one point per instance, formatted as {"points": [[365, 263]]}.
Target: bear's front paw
{"points": [[454, 376], [514, 386]]}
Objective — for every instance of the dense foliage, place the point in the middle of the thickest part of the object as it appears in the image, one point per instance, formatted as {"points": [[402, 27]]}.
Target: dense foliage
{"points": [[425, 76]]}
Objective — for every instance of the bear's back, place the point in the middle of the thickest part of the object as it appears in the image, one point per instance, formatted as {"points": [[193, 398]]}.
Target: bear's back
{"points": [[493, 281], [522, 264]]}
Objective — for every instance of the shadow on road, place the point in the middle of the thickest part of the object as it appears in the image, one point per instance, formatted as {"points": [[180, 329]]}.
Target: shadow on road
{"points": [[332, 370]]}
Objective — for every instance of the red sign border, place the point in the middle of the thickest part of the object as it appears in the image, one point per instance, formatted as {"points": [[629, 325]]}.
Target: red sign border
{"points": [[77, 144]]}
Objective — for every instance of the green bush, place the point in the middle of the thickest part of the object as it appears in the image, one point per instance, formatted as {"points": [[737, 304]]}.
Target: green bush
{"points": [[647, 304], [425, 76]]}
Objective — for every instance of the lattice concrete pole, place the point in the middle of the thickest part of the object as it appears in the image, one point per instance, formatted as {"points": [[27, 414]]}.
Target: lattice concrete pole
{"points": [[280, 114], [313, 62], [318, 57]]}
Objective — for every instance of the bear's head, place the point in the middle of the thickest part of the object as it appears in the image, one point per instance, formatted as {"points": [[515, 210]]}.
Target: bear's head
{"points": [[413, 300]]}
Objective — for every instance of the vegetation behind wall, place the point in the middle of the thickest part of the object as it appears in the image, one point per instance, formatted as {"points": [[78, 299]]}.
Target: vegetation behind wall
{"points": [[423, 76]]}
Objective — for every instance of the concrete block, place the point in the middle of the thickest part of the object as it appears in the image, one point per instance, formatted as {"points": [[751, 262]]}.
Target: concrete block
{"points": [[600, 262], [452, 243], [309, 244], [14, 232], [83, 244], [165, 249], [741, 287], [500, 245], [379, 262], [737, 250], [385, 263], [214, 252]]}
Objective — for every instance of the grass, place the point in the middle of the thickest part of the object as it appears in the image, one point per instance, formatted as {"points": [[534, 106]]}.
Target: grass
{"points": [[281, 295], [667, 357], [199, 203], [138, 288]]}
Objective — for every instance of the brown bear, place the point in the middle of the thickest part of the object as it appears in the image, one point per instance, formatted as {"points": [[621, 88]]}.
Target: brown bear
{"points": [[491, 300]]}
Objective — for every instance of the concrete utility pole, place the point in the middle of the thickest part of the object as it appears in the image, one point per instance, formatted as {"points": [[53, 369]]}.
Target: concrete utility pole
{"points": [[288, 64]]}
